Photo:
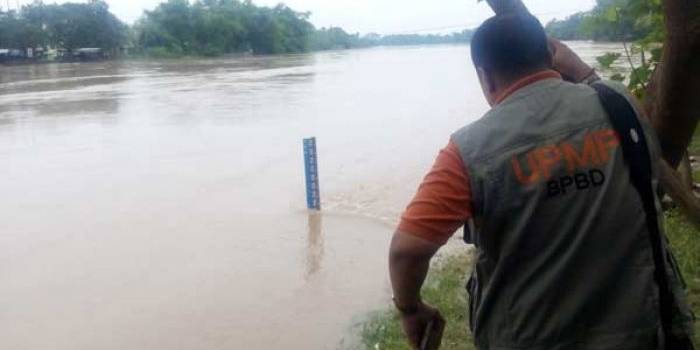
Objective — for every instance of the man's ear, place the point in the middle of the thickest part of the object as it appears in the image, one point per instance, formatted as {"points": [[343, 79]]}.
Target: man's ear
{"points": [[487, 82], [488, 85]]}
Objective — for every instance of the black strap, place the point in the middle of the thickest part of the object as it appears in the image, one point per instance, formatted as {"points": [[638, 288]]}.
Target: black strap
{"points": [[637, 156]]}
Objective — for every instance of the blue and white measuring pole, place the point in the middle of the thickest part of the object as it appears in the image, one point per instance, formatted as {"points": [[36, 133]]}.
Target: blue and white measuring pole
{"points": [[313, 191]]}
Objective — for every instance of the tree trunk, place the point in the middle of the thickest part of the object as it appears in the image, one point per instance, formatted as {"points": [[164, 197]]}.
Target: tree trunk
{"points": [[507, 6], [680, 194], [674, 95]]}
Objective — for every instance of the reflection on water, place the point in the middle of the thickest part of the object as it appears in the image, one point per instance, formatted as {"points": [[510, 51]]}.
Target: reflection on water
{"points": [[314, 248], [103, 106], [98, 89]]}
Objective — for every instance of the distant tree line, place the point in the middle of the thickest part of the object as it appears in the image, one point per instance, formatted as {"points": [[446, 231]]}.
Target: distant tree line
{"points": [[336, 38], [67, 26], [217, 27], [182, 27], [610, 20], [415, 39]]}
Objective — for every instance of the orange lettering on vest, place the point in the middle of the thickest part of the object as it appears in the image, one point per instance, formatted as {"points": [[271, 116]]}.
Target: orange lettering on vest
{"points": [[547, 158], [588, 157], [520, 174], [606, 140]]}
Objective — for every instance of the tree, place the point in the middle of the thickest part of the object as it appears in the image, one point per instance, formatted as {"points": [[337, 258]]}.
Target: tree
{"points": [[672, 102], [20, 32], [217, 27], [568, 29], [610, 20], [334, 38], [170, 26], [73, 25], [67, 26]]}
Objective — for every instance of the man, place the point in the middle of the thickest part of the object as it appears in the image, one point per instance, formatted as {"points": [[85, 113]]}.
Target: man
{"points": [[564, 259]]}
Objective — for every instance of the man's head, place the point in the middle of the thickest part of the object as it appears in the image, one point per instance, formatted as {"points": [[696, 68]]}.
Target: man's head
{"points": [[507, 48]]}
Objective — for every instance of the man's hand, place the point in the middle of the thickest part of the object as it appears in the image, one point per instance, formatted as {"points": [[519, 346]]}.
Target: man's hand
{"points": [[416, 324], [409, 261], [568, 63]]}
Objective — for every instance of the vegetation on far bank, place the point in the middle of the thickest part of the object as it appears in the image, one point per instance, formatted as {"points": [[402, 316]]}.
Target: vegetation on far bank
{"points": [[217, 27], [178, 28], [212, 28], [611, 20], [67, 26], [187, 28]]}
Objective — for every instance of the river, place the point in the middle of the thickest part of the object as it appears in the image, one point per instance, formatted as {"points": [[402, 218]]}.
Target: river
{"points": [[161, 205]]}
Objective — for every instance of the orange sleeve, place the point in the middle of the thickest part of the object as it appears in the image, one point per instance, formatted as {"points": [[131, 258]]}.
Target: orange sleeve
{"points": [[443, 202]]}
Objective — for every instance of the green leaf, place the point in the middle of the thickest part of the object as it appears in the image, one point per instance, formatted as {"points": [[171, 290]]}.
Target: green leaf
{"points": [[618, 77], [611, 14], [607, 60], [636, 49], [639, 77]]}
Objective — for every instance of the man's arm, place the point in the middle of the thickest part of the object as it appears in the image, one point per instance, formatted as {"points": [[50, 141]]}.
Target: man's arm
{"points": [[569, 64], [409, 261], [441, 206]]}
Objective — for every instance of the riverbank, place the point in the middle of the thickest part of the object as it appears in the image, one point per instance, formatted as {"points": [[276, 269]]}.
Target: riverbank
{"points": [[445, 288], [159, 54]]}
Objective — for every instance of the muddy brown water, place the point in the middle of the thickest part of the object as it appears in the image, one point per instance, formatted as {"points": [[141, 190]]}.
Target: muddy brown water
{"points": [[160, 205]]}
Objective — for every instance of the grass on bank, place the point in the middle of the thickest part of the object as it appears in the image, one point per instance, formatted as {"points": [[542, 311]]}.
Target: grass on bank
{"points": [[685, 240], [446, 289]]}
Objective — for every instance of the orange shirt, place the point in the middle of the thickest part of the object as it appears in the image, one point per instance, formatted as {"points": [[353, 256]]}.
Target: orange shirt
{"points": [[443, 203]]}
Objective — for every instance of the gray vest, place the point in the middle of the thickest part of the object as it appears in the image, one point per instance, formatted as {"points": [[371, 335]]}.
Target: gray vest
{"points": [[564, 259]]}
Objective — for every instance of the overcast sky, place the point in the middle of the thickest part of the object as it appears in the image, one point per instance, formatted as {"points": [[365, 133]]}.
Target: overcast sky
{"points": [[380, 16]]}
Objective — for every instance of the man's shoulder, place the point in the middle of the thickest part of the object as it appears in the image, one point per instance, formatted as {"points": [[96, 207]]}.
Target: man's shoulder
{"points": [[513, 120], [469, 136], [472, 139]]}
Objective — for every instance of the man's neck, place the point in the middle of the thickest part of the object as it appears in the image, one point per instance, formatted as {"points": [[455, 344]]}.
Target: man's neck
{"points": [[516, 84]]}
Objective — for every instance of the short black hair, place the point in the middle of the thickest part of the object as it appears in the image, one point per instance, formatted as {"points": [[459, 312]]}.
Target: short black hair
{"points": [[511, 45]]}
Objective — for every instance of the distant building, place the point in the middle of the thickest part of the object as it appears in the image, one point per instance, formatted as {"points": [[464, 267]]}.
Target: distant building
{"points": [[35, 55], [89, 54], [11, 55], [22, 55], [82, 55], [126, 50]]}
